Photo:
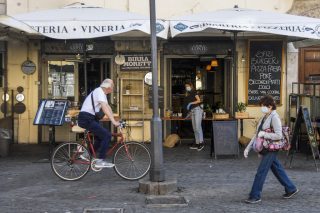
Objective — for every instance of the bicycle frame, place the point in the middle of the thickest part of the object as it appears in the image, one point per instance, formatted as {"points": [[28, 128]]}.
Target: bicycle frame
{"points": [[87, 140]]}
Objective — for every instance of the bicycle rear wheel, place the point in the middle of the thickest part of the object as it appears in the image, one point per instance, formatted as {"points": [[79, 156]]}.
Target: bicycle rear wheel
{"points": [[132, 161], [70, 161]]}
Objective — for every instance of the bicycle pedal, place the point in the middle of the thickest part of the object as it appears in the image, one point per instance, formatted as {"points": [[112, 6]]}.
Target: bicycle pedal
{"points": [[93, 166]]}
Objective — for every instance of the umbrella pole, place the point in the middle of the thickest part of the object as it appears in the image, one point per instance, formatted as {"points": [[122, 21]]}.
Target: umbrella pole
{"points": [[157, 173], [235, 72]]}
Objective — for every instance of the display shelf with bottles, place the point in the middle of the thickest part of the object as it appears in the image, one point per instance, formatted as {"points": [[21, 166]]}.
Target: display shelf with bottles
{"points": [[132, 102]]}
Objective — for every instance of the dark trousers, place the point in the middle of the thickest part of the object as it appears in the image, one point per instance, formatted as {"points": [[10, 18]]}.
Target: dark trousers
{"points": [[102, 136], [270, 161]]}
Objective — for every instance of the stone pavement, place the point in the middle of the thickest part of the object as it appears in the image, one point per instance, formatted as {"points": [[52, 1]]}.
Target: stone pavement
{"points": [[27, 185]]}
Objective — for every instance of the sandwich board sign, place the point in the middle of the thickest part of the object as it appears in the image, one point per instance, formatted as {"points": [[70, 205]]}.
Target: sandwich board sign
{"points": [[303, 117]]}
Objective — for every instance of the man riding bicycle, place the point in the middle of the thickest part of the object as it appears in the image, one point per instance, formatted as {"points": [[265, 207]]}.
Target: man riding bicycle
{"points": [[87, 119]]}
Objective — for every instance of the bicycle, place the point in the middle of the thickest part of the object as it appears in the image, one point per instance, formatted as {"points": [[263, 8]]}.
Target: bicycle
{"points": [[73, 160]]}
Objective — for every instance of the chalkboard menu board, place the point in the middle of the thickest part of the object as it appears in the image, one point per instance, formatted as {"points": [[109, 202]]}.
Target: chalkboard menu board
{"points": [[310, 131], [303, 117], [51, 112], [264, 71], [225, 138]]}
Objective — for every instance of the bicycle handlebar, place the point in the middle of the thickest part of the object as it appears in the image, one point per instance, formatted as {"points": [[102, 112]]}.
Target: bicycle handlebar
{"points": [[122, 125]]}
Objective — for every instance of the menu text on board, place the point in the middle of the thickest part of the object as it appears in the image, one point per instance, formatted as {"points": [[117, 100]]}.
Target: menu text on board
{"points": [[264, 71]]}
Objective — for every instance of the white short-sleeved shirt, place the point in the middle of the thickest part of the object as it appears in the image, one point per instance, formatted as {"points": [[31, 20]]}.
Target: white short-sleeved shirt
{"points": [[98, 97]]}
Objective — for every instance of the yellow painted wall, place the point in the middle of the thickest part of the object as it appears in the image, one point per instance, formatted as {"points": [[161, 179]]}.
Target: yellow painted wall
{"points": [[254, 111], [17, 54]]}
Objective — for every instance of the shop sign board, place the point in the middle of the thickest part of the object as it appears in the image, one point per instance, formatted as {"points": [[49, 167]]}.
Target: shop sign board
{"points": [[51, 112], [197, 48], [265, 71], [136, 62], [28, 67], [75, 47]]}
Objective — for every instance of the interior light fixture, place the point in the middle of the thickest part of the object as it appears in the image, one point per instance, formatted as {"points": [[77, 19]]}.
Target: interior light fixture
{"points": [[208, 67], [78, 56], [214, 63]]}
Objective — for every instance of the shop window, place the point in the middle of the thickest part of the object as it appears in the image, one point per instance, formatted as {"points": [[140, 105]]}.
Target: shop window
{"points": [[61, 80], [309, 60]]}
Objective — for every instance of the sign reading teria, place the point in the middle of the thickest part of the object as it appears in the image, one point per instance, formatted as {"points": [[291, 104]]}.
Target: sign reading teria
{"points": [[81, 21], [136, 62], [65, 30]]}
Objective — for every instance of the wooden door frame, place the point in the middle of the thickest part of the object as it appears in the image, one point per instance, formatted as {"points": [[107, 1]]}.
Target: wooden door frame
{"points": [[301, 61]]}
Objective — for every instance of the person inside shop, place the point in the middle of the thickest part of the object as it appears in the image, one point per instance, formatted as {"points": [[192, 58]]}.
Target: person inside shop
{"points": [[95, 102], [270, 119], [192, 104]]}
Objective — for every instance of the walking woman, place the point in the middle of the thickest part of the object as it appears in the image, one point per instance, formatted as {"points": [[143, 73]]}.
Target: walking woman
{"points": [[192, 103], [269, 159]]}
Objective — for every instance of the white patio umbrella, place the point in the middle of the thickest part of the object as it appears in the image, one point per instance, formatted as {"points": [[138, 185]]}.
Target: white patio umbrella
{"points": [[248, 21], [7, 21], [79, 21], [14, 29]]}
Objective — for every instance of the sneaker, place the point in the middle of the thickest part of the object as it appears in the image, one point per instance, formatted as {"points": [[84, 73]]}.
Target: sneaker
{"points": [[252, 200], [84, 156], [193, 146], [100, 163], [290, 194], [200, 146]]}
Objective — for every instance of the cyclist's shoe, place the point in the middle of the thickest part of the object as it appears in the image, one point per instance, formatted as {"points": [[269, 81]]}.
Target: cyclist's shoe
{"points": [[200, 146], [100, 163], [193, 146], [84, 156]]}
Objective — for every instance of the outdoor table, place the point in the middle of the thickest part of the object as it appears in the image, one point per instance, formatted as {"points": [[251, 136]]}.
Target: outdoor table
{"points": [[241, 124]]}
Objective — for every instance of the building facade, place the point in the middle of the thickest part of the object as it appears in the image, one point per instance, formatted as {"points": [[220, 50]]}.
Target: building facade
{"points": [[60, 66]]}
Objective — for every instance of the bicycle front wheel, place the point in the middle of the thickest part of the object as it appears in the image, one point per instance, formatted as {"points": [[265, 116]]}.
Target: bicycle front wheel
{"points": [[132, 161], [70, 161]]}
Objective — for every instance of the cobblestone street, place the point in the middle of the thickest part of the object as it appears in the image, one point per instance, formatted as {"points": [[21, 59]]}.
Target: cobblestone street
{"points": [[210, 185]]}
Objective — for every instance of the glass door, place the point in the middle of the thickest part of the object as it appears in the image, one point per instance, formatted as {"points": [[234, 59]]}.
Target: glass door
{"points": [[62, 81], [97, 70]]}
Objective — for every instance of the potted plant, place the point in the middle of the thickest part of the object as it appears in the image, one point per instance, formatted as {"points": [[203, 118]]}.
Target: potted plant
{"points": [[220, 113], [128, 87], [241, 110], [208, 111]]}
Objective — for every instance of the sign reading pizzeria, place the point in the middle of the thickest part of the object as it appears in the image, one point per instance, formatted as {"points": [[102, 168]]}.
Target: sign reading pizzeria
{"points": [[136, 62]]}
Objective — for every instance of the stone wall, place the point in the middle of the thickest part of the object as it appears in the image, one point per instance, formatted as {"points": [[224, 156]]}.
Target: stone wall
{"points": [[3, 7], [310, 8]]}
